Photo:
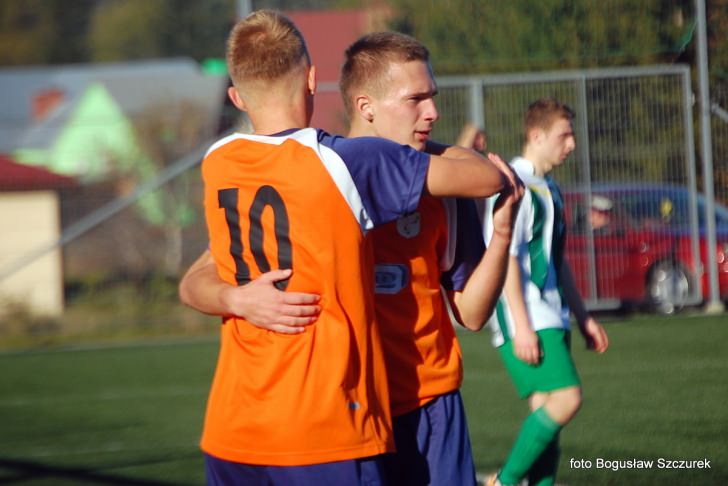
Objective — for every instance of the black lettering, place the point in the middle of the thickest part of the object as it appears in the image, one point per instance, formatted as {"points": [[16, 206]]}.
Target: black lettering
{"points": [[228, 200], [265, 196], [268, 196]]}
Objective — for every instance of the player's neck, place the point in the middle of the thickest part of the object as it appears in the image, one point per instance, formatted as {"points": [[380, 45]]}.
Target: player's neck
{"points": [[360, 129], [274, 120], [279, 111], [540, 168]]}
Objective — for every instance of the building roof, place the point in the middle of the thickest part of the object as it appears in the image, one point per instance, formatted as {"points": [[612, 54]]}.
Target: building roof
{"points": [[21, 177], [134, 85]]}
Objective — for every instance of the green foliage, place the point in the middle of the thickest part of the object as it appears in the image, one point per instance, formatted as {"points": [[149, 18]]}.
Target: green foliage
{"points": [[27, 32], [467, 36], [44, 31], [72, 31], [717, 13], [139, 29], [111, 37]]}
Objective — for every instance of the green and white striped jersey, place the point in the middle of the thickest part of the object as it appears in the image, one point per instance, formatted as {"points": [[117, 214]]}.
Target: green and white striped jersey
{"points": [[537, 243]]}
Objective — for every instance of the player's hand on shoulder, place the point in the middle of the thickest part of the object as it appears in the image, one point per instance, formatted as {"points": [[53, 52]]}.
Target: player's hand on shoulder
{"points": [[262, 304]]}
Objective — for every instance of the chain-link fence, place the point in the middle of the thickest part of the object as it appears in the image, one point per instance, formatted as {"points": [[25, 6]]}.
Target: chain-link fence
{"points": [[634, 166]]}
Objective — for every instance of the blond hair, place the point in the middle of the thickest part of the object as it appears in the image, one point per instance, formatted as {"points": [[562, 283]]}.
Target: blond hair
{"points": [[368, 59], [264, 46]]}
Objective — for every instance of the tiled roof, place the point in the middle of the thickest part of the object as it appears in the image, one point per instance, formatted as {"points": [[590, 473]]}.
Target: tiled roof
{"points": [[20, 177]]}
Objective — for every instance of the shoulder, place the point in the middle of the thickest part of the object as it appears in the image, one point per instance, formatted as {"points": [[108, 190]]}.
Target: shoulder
{"points": [[370, 147]]}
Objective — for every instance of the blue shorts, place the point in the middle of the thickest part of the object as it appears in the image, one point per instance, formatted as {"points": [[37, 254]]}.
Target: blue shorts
{"points": [[433, 447], [356, 472]]}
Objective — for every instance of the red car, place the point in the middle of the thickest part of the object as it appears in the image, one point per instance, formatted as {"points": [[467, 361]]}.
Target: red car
{"points": [[634, 244]]}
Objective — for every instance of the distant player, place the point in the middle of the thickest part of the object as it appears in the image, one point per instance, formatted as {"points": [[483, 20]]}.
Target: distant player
{"points": [[531, 322]]}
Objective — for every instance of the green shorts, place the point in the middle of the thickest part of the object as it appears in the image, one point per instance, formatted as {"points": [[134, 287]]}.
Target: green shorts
{"points": [[556, 369]]}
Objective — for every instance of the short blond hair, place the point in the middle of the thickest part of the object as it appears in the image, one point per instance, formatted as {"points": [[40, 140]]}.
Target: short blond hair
{"points": [[368, 59], [264, 46]]}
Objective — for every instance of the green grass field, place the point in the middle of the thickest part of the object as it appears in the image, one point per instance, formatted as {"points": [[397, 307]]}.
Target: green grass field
{"points": [[131, 414], [658, 392]]}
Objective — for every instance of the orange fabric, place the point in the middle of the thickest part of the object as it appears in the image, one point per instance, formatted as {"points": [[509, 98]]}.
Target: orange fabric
{"points": [[319, 396], [420, 347]]}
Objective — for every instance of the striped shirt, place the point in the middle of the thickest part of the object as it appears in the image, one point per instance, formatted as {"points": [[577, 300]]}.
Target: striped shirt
{"points": [[537, 244]]}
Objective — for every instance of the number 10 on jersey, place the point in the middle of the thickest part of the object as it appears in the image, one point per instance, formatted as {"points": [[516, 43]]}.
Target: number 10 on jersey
{"points": [[264, 197]]}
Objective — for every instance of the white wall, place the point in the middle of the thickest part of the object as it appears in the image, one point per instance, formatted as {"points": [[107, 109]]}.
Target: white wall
{"points": [[29, 220]]}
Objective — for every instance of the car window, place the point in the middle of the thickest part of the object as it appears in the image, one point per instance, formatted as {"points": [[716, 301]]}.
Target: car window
{"points": [[650, 208], [721, 213], [667, 208]]}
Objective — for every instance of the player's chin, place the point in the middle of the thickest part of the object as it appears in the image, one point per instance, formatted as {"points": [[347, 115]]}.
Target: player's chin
{"points": [[421, 138]]}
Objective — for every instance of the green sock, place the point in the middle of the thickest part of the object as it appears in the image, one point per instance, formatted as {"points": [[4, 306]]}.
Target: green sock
{"points": [[543, 471], [536, 434]]}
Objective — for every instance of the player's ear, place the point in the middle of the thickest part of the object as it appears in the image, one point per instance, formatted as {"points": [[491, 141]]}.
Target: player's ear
{"points": [[311, 82], [364, 107], [535, 134], [236, 99]]}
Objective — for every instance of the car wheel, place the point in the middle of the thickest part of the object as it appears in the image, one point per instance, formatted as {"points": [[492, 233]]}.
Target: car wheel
{"points": [[668, 287]]}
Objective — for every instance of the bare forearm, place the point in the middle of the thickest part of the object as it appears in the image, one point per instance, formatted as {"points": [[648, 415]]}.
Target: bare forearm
{"points": [[513, 292], [259, 301], [477, 301], [202, 289]]}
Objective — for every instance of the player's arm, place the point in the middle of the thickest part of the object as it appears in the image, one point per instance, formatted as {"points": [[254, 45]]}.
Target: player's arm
{"points": [[475, 303], [461, 172], [525, 341], [259, 302], [593, 332], [472, 137]]}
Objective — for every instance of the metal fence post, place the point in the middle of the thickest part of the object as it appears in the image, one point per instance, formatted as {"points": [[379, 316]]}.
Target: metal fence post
{"points": [[583, 145], [714, 304], [476, 103]]}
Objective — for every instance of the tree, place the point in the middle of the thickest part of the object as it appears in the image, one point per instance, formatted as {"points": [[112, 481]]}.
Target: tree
{"points": [[27, 31], [489, 36], [140, 29], [44, 31]]}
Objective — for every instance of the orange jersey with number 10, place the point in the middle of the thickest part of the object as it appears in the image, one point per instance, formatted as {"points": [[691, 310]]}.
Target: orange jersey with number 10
{"points": [[303, 200]]}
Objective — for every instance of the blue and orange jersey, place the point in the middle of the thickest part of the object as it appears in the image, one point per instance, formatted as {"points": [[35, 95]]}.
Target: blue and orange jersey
{"points": [[303, 200], [415, 256]]}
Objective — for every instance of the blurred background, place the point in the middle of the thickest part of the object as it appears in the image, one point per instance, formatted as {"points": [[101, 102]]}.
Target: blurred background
{"points": [[107, 106]]}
